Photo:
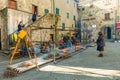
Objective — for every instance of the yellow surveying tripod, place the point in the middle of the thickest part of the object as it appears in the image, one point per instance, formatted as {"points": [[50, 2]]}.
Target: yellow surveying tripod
{"points": [[22, 35]]}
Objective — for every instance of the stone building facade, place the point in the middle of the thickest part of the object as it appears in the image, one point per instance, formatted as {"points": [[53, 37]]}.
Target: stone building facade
{"points": [[100, 16], [13, 11]]}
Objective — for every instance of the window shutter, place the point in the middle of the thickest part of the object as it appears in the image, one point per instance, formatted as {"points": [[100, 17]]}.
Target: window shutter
{"points": [[46, 11], [63, 26], [12, 4], [74, 18], [67, 15], [57, 11]]}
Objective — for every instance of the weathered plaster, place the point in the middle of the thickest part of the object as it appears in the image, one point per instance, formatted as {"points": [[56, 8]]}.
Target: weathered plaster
{"points": [[4, 29], [3, 4]]}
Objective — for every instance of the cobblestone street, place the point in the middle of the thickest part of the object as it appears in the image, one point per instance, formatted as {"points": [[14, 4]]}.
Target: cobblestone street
{"points": [[83, 66]]}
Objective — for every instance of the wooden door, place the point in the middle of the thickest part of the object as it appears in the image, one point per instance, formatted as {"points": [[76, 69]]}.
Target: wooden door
{"points": [[12, 4]]}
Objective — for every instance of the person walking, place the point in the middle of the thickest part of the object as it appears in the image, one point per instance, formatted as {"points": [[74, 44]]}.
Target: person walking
{"points": [[100, 44]]}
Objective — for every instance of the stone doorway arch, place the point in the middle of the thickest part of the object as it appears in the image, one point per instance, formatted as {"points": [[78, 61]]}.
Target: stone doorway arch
{"points": [[107, 31]]}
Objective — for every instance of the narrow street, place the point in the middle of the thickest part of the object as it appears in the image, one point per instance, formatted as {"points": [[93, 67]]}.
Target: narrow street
{"points": [[83, 66]]}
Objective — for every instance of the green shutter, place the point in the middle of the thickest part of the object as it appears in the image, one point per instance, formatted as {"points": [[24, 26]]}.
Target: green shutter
{"points": [[57, 11], [67, 1], [67, 15], [46, 11], [74, 18], [63, 26], [72, 25]]}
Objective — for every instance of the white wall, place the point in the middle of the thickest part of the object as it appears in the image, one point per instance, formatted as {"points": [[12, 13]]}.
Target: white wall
{"points": [[14, 17]]}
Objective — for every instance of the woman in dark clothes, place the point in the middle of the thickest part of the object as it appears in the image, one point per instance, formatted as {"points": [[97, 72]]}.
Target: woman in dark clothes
{"points": [[100, 44]]}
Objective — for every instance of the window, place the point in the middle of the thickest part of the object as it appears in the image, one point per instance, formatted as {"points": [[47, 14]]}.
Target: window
{"points": [[67, 1], [72, 25], [74, 18], [83, 9], [107, 16], [52, 37], [57, 11], [46, 11], [91, 13], [34, 9], [67, 15], [12, 4], [63, 26], [74, 5]]}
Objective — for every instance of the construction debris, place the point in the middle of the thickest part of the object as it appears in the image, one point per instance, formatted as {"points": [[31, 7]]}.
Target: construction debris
{"points": [[10, 73]]}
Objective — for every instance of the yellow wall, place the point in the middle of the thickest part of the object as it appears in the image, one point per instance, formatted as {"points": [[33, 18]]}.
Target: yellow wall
{"points": [[26, 5]]}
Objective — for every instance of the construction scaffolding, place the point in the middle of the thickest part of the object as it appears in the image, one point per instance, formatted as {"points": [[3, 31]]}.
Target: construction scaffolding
{"points": [[38, 33]]}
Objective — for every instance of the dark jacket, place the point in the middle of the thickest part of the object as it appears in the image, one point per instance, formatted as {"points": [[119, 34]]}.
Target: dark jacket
{"points": [[34, 17], [19, 27], [100, 43]]}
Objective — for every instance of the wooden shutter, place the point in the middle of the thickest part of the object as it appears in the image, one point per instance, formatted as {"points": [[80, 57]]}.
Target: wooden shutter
{"points": [[63, 26], [107, 16], [57, 10], [67, 15], [46, 11], [34, 9], [12, 4]]}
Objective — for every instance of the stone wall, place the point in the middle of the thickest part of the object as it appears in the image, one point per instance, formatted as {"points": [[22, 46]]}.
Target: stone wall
{"points": [[1, 22], [4, 29], [3, 4], [70, 7], [1, 25], [26, 5], [65, 8], [14, 17], [41, 35]]}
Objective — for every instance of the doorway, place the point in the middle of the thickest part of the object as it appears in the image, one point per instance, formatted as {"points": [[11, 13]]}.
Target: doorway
{"points": [[52, 37], [34, 9], [108, 33]]}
